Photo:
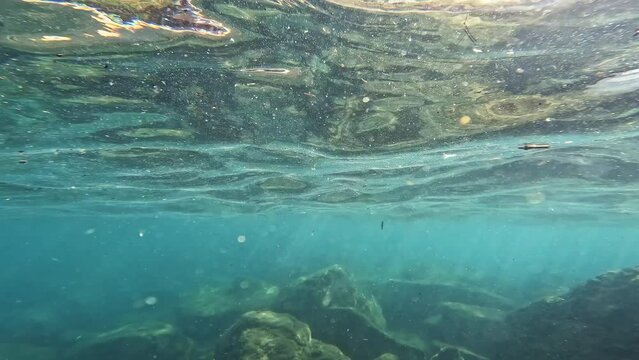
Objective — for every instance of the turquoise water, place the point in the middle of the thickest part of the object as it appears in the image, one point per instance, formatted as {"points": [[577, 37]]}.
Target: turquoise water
{"points": [[328, 180]]}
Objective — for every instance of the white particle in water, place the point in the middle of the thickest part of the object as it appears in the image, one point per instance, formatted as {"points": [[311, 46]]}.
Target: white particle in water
{"points": [[151, 300], [141, 233], [241, 239], [519, 71], [89, 231], [366, 99]]}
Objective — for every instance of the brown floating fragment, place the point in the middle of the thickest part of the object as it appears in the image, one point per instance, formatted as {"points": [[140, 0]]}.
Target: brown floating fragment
{"points": [[530, 146]]}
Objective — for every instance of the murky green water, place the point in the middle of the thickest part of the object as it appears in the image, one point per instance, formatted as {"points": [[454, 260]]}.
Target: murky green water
{"points": [[166, 167]]}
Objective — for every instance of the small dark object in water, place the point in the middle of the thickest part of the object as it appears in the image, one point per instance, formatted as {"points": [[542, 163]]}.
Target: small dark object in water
{"points": [[467, 31], [636, 32], [382, 224], [529, 146], [22, 161], [58, 55], [106, 66]]}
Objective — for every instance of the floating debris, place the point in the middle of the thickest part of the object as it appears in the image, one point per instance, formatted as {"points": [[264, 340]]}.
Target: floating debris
{"points": [[464, 120], [530, 146], [276, 71], [467, 32], [241, 239], [54, 38]]}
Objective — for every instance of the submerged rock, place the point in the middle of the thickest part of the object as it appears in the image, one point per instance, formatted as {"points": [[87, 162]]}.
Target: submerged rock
{"points": [[448, 313], [332, 287], [269, 335], [342, 314], [597, 320], [151, 341]]}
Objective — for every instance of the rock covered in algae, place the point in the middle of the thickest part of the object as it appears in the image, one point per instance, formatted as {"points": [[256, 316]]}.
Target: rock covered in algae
{"points": [[332, 287], [270, 335], [342, 314], [149, 341], [208, 311], [597, 320], [444, 312]]}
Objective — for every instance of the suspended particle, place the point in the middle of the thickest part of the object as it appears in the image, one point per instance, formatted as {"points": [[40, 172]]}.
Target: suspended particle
{"points": [[151, 300], [464, 120]]}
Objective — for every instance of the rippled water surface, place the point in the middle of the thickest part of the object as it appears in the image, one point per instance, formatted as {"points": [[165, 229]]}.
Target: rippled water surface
{"points": [[395, 107]]}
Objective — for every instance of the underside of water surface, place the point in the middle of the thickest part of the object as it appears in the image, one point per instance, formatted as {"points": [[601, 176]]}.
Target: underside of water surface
{"points": [[415, 108], [319, 179]]}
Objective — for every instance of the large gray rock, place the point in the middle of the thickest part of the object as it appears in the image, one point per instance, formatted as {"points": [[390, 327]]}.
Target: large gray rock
{"points": [[272, 336], [449, 313], [340, 313], [598, 320]]}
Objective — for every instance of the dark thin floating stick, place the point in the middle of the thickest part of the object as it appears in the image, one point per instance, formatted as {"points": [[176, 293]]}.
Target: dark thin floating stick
{"points": [[530, 146], [467, 31], [382, 224]]}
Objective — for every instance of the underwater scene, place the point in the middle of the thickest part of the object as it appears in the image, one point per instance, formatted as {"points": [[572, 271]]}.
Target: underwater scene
{"points": [[319, 179]]}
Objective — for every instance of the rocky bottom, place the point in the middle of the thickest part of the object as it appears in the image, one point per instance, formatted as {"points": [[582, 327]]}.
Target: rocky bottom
{"points": [[329, 315]]}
